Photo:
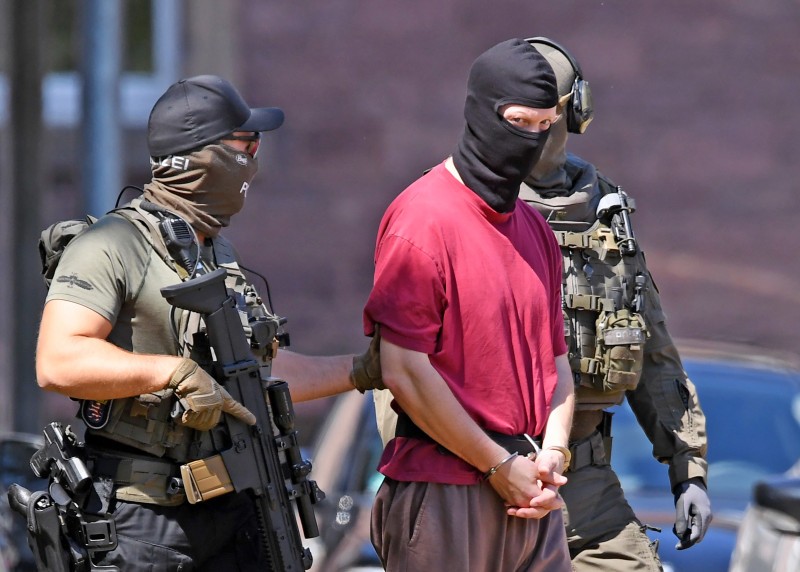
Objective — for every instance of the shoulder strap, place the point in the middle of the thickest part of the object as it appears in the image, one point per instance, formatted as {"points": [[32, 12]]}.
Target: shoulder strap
{"points": [[54, 239], [225, 257], [148, 224]]}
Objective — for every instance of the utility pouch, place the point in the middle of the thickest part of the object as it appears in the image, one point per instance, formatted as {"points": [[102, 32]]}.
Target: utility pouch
{"points": [[620, 350], [605, 431], [205, 479]]}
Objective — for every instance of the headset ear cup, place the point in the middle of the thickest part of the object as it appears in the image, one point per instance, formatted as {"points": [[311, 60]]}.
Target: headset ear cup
{"points": [[580, 109]]}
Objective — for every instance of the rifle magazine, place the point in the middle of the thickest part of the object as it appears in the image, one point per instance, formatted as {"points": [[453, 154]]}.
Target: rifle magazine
{"points": [[205, 479]]}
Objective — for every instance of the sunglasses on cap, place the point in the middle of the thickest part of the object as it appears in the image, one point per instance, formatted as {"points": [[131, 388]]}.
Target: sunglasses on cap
{"points": [[254, 142]]}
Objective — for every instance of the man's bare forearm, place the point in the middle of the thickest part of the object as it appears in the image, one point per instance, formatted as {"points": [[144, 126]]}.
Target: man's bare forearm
{"points": [[426, 398], [313, 377], [73, 357], [563, 404]]}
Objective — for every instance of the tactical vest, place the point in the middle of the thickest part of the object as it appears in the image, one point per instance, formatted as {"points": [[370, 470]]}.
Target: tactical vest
{"points": [[602, 296], [145, 422]]}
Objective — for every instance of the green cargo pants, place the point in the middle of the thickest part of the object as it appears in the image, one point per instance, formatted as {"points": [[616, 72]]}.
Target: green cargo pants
{"points": [[602, 530]]}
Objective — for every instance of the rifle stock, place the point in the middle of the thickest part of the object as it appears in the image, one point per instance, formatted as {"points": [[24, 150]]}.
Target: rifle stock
{"points": [[263, 460]]}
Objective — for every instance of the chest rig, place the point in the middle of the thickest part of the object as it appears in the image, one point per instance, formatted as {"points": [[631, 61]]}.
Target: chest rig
{"points": [[146, 422], [603, 293]]}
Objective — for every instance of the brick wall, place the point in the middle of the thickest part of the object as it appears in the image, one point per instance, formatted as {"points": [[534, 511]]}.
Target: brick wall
{"points": [[695, 119]]}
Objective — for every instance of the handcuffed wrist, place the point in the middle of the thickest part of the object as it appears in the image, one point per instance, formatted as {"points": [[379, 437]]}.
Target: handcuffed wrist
{"points": [[488, 474]]}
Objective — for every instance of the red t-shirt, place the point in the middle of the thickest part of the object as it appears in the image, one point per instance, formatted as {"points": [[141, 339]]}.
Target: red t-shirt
{"points": [[479, 292]]}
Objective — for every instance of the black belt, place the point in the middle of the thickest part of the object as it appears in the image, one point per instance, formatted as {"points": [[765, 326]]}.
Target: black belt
{"points": [[126, 469], [511, 443]]}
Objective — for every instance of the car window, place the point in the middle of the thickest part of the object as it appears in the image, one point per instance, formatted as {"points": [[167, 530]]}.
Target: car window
{"points": [[15, 465], [361, 473], [752, 422]]}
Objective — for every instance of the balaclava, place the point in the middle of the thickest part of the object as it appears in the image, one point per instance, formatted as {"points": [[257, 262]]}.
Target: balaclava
{"points": [[549, 173], [206, 186], [561, 189], [493, 156]]}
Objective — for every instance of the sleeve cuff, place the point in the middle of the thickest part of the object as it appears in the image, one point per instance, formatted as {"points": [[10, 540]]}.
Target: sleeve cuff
{"points": [[684, 468]]}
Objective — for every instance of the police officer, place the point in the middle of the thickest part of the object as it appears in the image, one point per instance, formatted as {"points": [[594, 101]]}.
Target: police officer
{"points": [[619, 347], [110, 340]]}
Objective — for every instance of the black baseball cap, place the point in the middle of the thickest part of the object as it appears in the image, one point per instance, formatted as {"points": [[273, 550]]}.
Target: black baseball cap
{"points": [[199, 110]]}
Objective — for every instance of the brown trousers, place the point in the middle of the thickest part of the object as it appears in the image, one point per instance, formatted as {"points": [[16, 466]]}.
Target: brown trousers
{"points": [[418, 527]]}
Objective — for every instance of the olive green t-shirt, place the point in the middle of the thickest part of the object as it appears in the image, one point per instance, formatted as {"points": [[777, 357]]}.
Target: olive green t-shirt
{"points": [[113, 270]]}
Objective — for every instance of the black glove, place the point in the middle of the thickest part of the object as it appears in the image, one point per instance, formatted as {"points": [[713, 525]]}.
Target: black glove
{"points": [[366, 372], [692, 512]]}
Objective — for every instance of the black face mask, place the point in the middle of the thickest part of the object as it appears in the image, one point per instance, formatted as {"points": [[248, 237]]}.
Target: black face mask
{"points": [[494, 157]]}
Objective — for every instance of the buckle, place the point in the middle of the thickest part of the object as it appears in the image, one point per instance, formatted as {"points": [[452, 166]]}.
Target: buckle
{"points": [[99, 535]]}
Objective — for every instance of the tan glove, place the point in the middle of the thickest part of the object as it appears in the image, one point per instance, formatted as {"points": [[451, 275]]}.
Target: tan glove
{"points": [[366, 372], [203, 399]]}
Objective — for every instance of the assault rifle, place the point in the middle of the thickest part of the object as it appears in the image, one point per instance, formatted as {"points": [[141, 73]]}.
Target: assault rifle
{"points": [[264, 459]]}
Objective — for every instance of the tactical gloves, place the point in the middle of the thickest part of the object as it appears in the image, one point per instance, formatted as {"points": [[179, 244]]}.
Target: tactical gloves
{"points": [[203, 399], [366, 372], [692, 513]]}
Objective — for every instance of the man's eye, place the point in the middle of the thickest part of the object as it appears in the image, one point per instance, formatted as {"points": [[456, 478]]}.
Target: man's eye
{"points": [[545, 125]]}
